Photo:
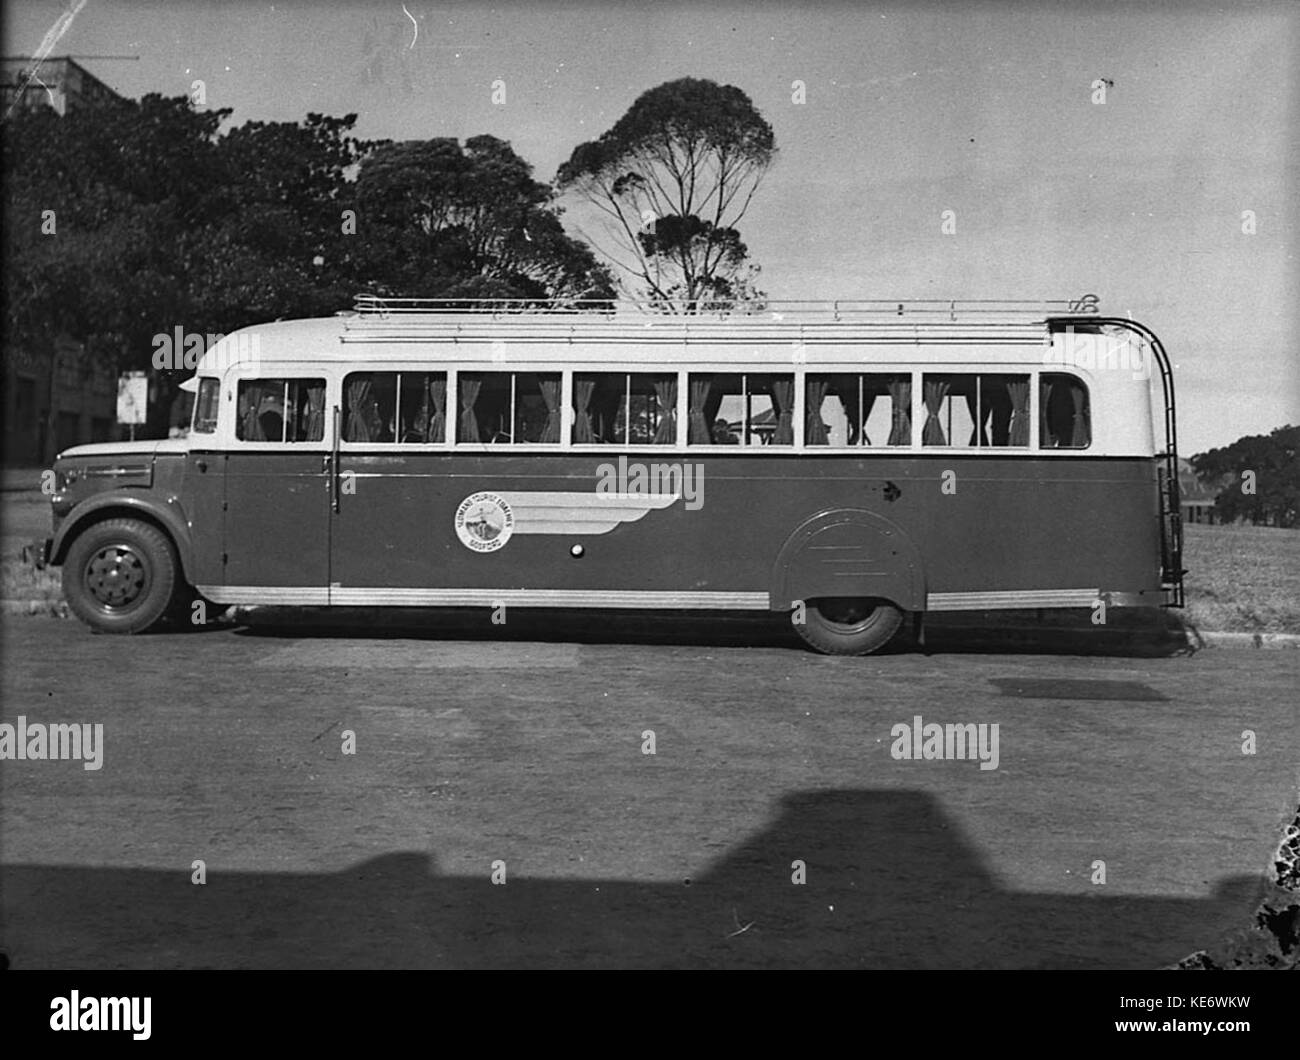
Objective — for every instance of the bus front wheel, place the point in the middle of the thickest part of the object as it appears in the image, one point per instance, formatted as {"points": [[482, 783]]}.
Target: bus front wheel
{"points": [[844, 626], [120, 576]]}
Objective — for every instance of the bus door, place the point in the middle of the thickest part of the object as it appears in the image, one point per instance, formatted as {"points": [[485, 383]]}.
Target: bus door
{"points": [[391, 521], [277, 489], [205, 484]]}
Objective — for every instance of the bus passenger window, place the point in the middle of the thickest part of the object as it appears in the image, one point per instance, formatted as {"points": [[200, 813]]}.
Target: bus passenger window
{"points": [[740, 409], [537, 407], [508, 407], [624, 408], [855, 409], [969, 410], [206, 404], [281, 410], [1065, 418], [386, 407]]}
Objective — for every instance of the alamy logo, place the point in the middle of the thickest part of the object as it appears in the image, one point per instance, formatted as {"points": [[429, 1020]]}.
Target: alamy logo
{"points": [[77, 1013], [183, 350], [674, 480], [37, 742], [930, 740], [1094, 352]]}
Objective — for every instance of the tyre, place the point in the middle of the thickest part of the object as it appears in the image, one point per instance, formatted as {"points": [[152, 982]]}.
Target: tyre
{"points": [[844, 626], [120, 576]]}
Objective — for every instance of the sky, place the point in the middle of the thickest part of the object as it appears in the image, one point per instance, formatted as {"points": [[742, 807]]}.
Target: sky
{"points": [[907, 111]]}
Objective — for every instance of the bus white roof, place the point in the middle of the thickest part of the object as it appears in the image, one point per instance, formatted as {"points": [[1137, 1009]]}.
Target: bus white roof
{"points": [[527, 338]]}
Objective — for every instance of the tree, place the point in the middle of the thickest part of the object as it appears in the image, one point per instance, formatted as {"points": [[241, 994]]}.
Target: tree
{"points": [[160, 222], [1262, 476], [670, 182], [471, 222], [95, 207], [282, 244], [129, 221]]}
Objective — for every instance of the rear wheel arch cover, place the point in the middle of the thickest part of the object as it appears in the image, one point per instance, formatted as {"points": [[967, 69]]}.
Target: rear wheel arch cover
{"points": [[794, 576]]}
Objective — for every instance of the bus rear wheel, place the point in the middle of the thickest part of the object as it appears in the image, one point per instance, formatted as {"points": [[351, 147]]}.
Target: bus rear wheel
{"points": [[120, 576], [846, 626]]}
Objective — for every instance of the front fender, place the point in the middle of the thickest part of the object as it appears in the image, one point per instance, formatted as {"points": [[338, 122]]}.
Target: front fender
{"points": [[126, 504], [848, 552]]}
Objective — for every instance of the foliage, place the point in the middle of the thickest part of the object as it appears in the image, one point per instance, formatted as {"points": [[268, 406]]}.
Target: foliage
{"points": [[1266, 462], [471, 222], [671, 181], [127, 221]]}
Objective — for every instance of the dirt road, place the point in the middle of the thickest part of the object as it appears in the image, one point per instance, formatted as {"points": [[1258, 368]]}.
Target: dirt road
{"points": [[476, 757]]}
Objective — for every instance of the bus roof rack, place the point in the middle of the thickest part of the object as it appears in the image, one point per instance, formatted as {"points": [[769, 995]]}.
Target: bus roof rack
{"points": [[372, 308]]}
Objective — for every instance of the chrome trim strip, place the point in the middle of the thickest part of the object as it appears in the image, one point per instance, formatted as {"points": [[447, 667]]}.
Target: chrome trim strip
{"points": [[266, 594], [113, 472], [395, 597], [1015, 598], [403, 597]]}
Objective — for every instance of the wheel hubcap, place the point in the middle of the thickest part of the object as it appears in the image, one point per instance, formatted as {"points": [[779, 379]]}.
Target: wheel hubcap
{"points": [[116, 576]]}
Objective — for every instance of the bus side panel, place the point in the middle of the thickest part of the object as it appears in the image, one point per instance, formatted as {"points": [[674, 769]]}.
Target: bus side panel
{"points": [[997, 524], [277, 520], [1066, 523]]}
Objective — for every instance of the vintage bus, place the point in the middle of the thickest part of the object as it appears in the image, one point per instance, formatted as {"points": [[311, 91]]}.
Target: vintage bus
{"points": [[849, 463]]}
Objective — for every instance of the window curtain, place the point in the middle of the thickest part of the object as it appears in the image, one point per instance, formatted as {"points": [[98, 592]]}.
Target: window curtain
{"points": [[254, 394], [358, 426], [469, 389], [698, 424], [1046, 440], [606, 405], [900, 396], [815, 431], [1019, 394], [783, 399], [1079, 435], [995, 398], [666, 396], [436, 395], [551, 395], [582, 389], [714, 405], [315, 413], [868, 403], [933, 392], [852, 408]]}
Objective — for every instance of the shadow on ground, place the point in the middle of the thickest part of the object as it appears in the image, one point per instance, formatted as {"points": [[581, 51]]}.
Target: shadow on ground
{"points": [[891, 883], [1144, 633]]}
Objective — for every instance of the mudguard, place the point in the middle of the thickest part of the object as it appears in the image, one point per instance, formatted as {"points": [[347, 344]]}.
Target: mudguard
{"points": [[848, 552], [127, 504]]}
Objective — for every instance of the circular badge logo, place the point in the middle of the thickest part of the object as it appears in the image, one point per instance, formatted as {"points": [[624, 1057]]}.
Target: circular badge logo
{"points": [[484, 522]]}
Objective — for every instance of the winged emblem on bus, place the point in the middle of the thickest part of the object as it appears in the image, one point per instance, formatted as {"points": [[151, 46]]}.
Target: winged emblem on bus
{"points": [[564, 512]]}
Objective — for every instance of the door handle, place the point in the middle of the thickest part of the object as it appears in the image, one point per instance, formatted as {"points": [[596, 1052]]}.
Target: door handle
{"points": [[202, 465]]}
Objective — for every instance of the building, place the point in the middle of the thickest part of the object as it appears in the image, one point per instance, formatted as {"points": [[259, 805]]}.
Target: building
{"points": [[59, 83], [1195, 497], [83, 395]]}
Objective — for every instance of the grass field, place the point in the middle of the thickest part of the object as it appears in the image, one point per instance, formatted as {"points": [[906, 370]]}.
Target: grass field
{"points": [[1241, 579], [24, 517]]}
